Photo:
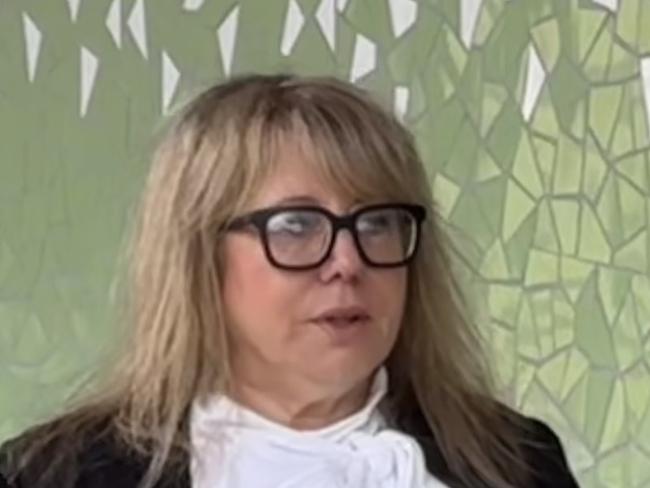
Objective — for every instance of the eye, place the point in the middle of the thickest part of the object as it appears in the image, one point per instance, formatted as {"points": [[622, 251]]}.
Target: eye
{"points": [[376, 222], [297, 223]]}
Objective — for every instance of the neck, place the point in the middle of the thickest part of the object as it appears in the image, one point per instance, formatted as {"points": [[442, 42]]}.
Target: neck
{"points": [[297, 403]]}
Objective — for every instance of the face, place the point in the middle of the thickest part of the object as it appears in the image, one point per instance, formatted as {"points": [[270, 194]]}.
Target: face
{"points": [[275, 316]]}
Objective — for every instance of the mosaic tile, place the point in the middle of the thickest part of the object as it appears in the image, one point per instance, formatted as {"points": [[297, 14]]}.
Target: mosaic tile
{"points": [[623, 137], [494, 98], [593, 245], [415, 48], [609, 4], [320, 58], [546, 234], [613, 287], [546, 149], [446, 192], [535, 77], [503, 301], [417, 99], [442, 130], [574, 273], [563, 318], [33, 39], [632, 204], [569, 167], [373, 22], [495, 264], [467, 216], [566, 216], [634, 254], [326, 17], [599, 393], [637, 394], [623, 64], [546, 36], [610, 212], [114, 22], [525, 168], [612, 470], [506, 128], [575, 402], [403, 14], [640, 291], [639, 118], [518, 206], [541, 299], [487, 18], [137, 24], [596, 58], [615, 433], [469, 13], [595, 169], [592, 332], [536, 343], [643, 41], [592, 21], [545, 119], [294, 22], [543, 268], [628, 343], [486, 168], [461, 163], [568, 88], [518, 247], [226, 35], [491, 197], [504, 339]]}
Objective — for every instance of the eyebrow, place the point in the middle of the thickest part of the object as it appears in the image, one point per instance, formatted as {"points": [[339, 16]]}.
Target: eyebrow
{"points": [[309, 200], [299, 199]]}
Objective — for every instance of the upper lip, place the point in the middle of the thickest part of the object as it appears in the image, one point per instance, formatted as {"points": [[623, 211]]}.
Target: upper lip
{"points": [[343, 313]]}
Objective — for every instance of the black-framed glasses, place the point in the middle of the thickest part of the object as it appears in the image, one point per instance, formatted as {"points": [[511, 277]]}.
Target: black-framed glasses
{"points": [[302, 237]]}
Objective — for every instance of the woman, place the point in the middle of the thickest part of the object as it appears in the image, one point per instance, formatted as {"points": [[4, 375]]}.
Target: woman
{"points": [[296, 320]]}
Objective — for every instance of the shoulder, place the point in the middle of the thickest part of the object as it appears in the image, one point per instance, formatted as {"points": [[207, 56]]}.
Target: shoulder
{"points": [[81, 459], [538, 450], [544, 454]]}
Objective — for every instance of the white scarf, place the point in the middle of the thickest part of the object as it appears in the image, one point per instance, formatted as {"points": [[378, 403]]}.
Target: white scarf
{"points": [[234, 447]]}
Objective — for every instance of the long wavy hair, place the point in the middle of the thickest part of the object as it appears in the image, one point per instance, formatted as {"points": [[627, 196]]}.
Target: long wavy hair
{"points": [[217, 152]]}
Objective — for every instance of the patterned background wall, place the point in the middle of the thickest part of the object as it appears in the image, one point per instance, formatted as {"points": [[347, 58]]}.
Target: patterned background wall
{"points": [[533, 116]]}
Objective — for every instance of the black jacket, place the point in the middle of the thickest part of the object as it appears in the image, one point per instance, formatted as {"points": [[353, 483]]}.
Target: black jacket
{"points": [[101, 464]]}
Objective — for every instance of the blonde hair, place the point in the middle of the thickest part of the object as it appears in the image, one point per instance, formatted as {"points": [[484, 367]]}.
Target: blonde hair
{"points": [[218, 151]]}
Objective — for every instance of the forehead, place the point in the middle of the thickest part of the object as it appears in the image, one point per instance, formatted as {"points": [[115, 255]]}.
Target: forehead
{"points": [[295, 177], [337, 168]]}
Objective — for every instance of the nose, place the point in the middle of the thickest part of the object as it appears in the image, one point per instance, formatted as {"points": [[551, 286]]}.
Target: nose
{"points": [[344, 261]]}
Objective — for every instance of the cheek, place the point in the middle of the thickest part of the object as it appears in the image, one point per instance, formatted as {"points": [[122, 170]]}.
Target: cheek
{"points": [[257, 300], [388, 298], [390, 295]]}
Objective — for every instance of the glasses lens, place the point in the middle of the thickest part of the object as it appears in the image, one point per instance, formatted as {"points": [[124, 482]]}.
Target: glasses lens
{"points": [[298, 237], [387, 235]]}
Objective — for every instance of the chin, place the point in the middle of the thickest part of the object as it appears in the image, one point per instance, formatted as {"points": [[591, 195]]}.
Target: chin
{"points": [[348, 370]]}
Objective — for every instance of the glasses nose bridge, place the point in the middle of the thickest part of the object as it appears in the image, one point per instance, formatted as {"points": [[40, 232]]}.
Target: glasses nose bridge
{"points": [[343, 222], [340, 222]]}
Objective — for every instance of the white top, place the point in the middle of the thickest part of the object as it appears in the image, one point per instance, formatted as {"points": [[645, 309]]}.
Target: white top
{"points": [[235, 447]]}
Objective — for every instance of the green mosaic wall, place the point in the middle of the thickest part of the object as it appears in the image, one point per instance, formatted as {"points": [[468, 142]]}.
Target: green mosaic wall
{"points": [[533, 117]]}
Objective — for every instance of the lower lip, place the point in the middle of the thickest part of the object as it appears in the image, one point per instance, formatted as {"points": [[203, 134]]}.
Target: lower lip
{"points": [[343, 327]]}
